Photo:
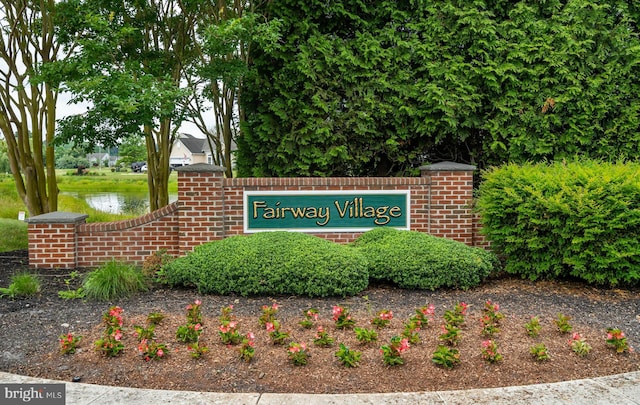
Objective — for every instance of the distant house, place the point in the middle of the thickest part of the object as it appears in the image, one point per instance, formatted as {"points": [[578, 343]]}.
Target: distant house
{"points": [[99, 159], [189, 150]]}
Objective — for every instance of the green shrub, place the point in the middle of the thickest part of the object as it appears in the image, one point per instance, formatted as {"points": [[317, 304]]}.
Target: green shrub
{"points": [[113, 280], [22, 285], [271, 263], [579, 219], [418, 260]]}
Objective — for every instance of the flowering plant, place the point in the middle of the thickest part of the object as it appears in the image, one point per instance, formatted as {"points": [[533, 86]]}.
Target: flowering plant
{"points": [[489, 327], [144, 333], [617, 339], [298, 353], [490, 351], [247, 347], [392, 353], [193, 312], [268, 314], [189, 333], [450, 334], [196, 350], [579, 345], [446, 356], [383, 318], [342, 318], [366, 335], [152, 350], [229, 334], [348, 357], [411, 329], [69, 343], [424, 314], [491, 318], [455, 316], [113, 317], [562, 322], [493, 312], [533, 326], [225, 314], [110, 344], [310, 318], [322, 338], [539, 352], [276, 336]]}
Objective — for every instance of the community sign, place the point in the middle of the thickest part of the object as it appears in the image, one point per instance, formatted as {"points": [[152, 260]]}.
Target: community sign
{"points": [[325, 211]]}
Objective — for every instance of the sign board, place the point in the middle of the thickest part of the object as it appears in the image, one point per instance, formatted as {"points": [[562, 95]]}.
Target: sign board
{"points": [[325, 211]]}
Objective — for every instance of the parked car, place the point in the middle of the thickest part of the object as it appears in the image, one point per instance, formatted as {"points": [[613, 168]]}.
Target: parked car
{"points": [[143, 168], [137, 166]]}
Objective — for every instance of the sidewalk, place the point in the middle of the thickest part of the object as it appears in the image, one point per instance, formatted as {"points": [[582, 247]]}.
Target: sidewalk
{"points": [[619, 389]]}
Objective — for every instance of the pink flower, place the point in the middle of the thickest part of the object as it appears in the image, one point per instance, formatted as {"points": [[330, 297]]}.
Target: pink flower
{"points": [[404, 345], [386, 316], [160, 353], [486, 343], [197, 326], [117, 335], [197, 302], [294, 349], [337, 311], [270, 327], [250, 336]]}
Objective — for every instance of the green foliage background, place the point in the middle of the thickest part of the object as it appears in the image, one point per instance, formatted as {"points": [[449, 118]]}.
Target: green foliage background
{"points": [[379, 88]]}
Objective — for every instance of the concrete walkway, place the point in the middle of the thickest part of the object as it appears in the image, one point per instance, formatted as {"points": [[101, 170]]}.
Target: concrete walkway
{"points": [[619, 389]]}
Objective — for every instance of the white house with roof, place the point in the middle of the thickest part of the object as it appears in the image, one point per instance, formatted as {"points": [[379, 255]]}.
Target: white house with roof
{"points": [[189, 150]]}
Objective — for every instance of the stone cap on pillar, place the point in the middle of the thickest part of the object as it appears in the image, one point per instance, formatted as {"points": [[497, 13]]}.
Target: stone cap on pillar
{"points": [[58, 217], [200, 168], [448, 167]]}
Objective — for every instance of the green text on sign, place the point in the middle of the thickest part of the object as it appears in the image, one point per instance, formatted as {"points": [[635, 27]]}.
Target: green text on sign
{"points": [[333, 211]]}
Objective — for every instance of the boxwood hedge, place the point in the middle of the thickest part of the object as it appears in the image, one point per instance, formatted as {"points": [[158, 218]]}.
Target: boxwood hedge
{"points": [[418, 260], [271, 263], [579, 219]]}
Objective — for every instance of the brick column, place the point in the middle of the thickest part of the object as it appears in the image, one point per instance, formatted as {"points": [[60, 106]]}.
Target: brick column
{"points": [[450, 198], [200, 205], [52, 240]]}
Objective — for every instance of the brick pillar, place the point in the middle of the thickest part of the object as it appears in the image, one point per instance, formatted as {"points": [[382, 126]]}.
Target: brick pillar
{"points": [[451, 195], [52, 240], [200, 205]]}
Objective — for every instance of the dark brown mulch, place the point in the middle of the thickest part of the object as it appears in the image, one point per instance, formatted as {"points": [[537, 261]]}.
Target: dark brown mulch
{"points": [[29, 330]]}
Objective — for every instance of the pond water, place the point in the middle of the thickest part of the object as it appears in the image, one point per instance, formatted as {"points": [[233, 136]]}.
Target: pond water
{"points": [[118, 203]]}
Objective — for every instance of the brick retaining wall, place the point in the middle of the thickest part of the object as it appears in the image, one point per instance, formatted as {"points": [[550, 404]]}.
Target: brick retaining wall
{"points": [[210, 207]]}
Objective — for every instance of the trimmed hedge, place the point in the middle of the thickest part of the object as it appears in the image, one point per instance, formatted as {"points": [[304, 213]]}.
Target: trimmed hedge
{"points": [[579, 219], [271, 263], [418, 260]]}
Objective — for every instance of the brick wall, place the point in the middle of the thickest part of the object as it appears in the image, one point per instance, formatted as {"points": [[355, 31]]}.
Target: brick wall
{"points": [[210, 207]]}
